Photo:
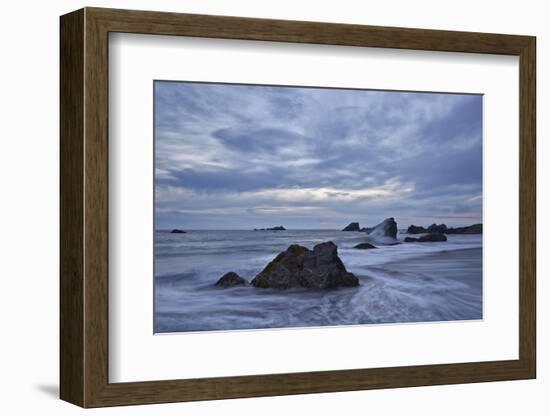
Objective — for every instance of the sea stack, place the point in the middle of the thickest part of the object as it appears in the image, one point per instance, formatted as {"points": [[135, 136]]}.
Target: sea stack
{"points": [[416, 229], [230, 279], [353, 226], [443, 229], [297, 266], [278, 228], [384, 233], [437, 228], [471, 229], [428, 238]]}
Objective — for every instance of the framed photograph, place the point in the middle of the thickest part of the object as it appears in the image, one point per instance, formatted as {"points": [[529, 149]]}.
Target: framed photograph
{"points": [[254, 207]]}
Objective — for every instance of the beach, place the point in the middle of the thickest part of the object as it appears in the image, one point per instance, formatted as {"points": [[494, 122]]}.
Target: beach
{"points": [[408, 282]]}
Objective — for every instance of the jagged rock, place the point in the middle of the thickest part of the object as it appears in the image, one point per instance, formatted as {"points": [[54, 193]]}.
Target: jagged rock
{"points": [[428, 238], [279, 228], [387, 228], [432, 237], [297, 266], [177, 231], [384, 233], [442, 228], [354, 226], [416, 229], [435, 228], [230, 279], [364, 246], [471, 229]]}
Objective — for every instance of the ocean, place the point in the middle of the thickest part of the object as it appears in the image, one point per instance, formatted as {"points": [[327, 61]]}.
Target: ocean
{"points": [[409, 282]]}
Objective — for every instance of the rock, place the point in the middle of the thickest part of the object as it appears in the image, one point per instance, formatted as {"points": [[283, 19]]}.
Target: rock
{"points": [[230, 279], [297, 266], [434, 228], [415, 229], [354, 226], [471, 229], [428, 238], [279, 228], [177, 231], [367, 229], [387, 228], [443, 229], [432, 237], [384, 233], [364, 246]]}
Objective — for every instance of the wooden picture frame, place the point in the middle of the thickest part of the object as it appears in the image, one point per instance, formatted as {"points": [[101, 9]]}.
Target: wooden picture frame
{"points": [[84, 207]]}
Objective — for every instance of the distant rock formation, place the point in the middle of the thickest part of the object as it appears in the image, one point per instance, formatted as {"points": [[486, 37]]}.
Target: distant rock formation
{"points": [[230, 279], [366, 229], [428, 238], [432, 237], [384, 233], [416, 229], [297, 266], [471, 229], [178, 231], [279, 228], [435, 228], [364, 246], [354, 226], [442, 228]]}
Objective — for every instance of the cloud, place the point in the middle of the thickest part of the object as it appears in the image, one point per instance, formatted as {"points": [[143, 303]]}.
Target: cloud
{"points": [[232, 155]]}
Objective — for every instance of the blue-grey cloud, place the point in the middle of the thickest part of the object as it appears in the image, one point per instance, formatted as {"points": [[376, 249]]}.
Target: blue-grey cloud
{"points": [[234, 156]]}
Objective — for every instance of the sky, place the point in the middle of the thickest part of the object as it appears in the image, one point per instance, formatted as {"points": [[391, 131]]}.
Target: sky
{"points": [[232, 156]]}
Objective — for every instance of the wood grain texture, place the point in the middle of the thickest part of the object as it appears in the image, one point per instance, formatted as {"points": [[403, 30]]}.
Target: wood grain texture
{"points": [[528, 207], [71, 297], [162, 23], [96, 208], [84, 207]]}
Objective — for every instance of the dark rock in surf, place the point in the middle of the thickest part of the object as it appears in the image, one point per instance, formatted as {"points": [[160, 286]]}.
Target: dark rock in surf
{"points": [[384, 233], [279, 228], [435, 228], [432, 237], [471, 229], [230, 279], [297, 266], [354, 226], [364, 246], [442, 228], [428, 238], [416, 229], [177, 231], [366, 229], [387, 228]]}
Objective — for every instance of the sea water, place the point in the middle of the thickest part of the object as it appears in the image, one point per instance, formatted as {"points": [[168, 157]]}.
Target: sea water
{"points": [[408, 282]]}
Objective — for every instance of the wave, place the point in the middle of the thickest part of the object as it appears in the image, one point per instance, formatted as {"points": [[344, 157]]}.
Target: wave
{"points": [[406, 283]]}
